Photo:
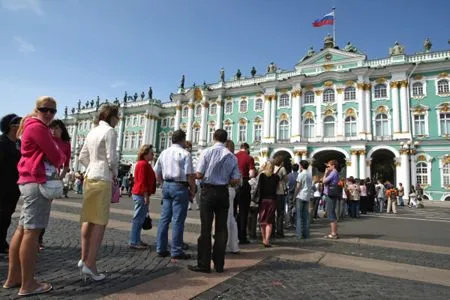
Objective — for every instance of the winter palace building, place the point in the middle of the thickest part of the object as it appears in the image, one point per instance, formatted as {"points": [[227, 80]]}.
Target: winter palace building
{"points": [[385, 118]]}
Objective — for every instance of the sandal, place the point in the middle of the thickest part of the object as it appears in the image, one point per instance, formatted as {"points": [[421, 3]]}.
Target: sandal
{"points": [[331, 236], [42, 289]]}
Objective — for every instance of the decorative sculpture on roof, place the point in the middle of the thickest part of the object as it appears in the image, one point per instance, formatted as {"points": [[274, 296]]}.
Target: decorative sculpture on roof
{"points": [[73, 110], [350, 48], [79, 104], [87, 104], [328, 42], [271, 68], [142, 95], [238, 74], [65, 112], [427, 45], [97, 103], [222, 75], [92, 103], [125, 97], [135, 97], [182, 82], [397, 50], [205, 86], [309, 54], [116, 101], [150, 93], [253, 71]]}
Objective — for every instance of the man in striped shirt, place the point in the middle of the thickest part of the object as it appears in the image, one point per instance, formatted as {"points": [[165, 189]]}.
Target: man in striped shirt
{"points": [[217, 168], [174, 169]]}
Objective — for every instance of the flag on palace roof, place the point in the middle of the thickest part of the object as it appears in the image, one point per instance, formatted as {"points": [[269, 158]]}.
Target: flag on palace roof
{"points": [[328, 19]]}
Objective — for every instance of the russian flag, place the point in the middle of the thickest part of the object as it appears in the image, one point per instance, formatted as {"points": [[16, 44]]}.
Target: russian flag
{"points": [[328, 19]]}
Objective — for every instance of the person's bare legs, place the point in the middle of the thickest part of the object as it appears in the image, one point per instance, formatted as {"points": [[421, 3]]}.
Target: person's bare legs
{"points": [[94, 240], [28, 255], [333, 226], [85, 233], [14, 271], [263, 234], [268, 233]]}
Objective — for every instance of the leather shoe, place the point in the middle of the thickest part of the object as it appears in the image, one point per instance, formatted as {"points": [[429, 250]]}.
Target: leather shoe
{"points": [[163, 254], [198, 269], [185, 246], [218, 269], [182, 256]]}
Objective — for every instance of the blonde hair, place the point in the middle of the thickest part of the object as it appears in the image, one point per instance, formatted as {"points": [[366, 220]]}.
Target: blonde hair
{"points": [[267, 169], [144, 150], [39, 102]]}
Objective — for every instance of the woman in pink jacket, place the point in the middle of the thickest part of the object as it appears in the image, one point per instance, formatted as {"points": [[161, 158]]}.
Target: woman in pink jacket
{"points": [[40, 154]]}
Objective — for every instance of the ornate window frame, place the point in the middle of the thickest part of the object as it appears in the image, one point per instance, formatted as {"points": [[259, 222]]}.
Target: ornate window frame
{"points": [[242, 122], [424, 89], [228, 127], [351, 113], [307, 94], [444, 161], [442, 108], [226, 104], [198, 110], [162, 145], [284, 101], [258, 99], [427, 159], [241, 103], [257, 122], [386, 86], [329, 93], [307, 117], [382, 109], [185, 109], [352, 92], [443, 77], [420, 110], [215, 109]]}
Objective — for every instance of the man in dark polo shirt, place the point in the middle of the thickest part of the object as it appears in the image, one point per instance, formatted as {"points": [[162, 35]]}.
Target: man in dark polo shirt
{"points": [[247, 168]]}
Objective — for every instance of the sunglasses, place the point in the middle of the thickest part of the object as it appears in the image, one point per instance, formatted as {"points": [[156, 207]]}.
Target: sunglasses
{"points": [[47, 109]]}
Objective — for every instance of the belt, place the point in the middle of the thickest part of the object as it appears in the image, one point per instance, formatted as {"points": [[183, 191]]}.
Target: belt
{"points": [[208, 185], [175, 181]]}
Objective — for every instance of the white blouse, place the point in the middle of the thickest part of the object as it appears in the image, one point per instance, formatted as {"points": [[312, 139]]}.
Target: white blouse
{"points": [[99, 154]]}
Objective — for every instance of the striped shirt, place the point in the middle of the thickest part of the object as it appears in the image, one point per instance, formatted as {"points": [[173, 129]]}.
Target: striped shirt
{"points": [[218, 165], [174, 163]]}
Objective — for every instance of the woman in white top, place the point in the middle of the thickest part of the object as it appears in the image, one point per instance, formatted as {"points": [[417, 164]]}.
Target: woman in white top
{"points": [[233, 241], [99, 156], [363, 196]]}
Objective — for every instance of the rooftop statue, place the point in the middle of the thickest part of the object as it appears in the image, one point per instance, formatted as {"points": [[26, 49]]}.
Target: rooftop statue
{"points": [[328, 42], [222, 75], [427, 45], [238, 74], [350, 48], [309, 54], [182, 82], [73, 110], [97, 103], [135, 97], [253, 71], [271, 68], [79, 104], [65, 111], [205, 86], [92, 103], [125, 97], [397, 50], [87, 104], [116, 101], [150, 93], [142, 95]]}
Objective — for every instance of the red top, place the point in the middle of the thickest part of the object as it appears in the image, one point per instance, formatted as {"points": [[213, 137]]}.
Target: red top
{"points": [[37, 145], [245, 163], [144, 179], [65, 148]]}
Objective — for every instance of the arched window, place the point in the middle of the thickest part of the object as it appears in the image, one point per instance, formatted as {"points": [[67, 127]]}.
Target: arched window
{"points": [[422, 172], [135, 120], [309, 97], [229, 129], [381, 125], [328, 95], [284, 100], [140, 139], [169, 139], [349, 93], [164, 123], [350, 126], [258, 104], [443, 86], [380, 91], [257, 128], [328, 127], [242, 132], [185, 112], [446, 174], [309, 129], [196, 135], [198, 110], [162, 142], [243, 106], [211, 130], [284, 131], [126, 141], [228, 107], [133, 141], [417, 89], [172, 122], [213, 109], [444, 121]]}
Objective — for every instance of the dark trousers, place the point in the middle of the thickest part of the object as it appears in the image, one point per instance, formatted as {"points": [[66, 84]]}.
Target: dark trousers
{"points": [[281, 206], [214, 203], [8, 202], [252, 222], [243, 203]]}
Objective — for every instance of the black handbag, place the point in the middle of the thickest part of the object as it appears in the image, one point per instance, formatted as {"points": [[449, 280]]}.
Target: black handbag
{"points": [[334, 191], [147, 223]]}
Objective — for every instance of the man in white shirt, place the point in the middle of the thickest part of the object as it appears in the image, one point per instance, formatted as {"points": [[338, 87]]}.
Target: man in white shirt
{"points": [[174, 169], [302, 196]]}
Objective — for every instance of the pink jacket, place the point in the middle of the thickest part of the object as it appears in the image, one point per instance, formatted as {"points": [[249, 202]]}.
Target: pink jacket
{"points": [[37, 145]]}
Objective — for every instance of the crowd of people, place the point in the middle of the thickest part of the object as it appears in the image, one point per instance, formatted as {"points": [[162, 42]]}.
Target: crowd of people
{"points": [[233, 197]]}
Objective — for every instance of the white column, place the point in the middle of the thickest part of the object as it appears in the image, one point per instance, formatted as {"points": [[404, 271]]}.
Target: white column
{"points": [[177, 116], [147, 128], [304, 155], [362, 164], [74, 136], [219, 112], [203, 122], [296, 116], [340, 112], [354, 164], [190, 120], [395, 107], [318, 119], [404, 106], [297, 156], [361, 111], [121, 133], [151, 125], [155, 130], [413, 168], [368, 107], [273, 117], [404, 172], [266, 123]]}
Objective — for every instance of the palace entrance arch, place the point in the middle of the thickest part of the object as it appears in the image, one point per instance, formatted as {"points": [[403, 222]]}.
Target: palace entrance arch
{"points": [[383, 166], [321, 157]]}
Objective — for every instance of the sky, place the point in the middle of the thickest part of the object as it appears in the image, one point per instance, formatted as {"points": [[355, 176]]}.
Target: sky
{"points": [[81, 49]]}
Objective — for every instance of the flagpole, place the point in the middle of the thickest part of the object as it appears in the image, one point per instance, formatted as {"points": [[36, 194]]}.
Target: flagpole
{"points": [[334, 26]]}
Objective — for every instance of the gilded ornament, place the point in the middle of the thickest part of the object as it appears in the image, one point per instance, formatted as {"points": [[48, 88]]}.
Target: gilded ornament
{"points": [[418, 77], [348, 163], [380, 80], [328, 67], [367, 86], [178, 107], [329, 112], [258, 95], [349, 83], [284, 91], [198, 94], [309, 87], [394, 84], [339, 90], [354, 152], [444, 107], [243, 97], [309, 115], [381, 109], [443, 75], [191, 105], [446, 160], [229, 98], [205, 104], [318, 92], [360, 85], [362, 152], [350, 112], [421, 158], [328, 83], [296, 93], [242, 121], [283, 117], [404, 84]]}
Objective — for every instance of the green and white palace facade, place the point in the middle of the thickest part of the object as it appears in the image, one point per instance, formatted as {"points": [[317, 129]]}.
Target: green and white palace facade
{"points": [[385, 118]]}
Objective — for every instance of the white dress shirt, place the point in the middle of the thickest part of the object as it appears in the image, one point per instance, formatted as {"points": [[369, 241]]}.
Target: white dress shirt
{"points": [[174, 163], [99, 154]]}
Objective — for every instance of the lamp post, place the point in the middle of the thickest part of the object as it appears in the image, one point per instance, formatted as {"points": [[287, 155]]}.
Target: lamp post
{"points": [[409, 148]]}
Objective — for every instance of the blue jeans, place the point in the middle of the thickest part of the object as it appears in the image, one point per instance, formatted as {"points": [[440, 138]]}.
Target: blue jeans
{"points": [[380, 202], [140, 212], [302, 218], [331, 207], [354, 208], [174, 209]]}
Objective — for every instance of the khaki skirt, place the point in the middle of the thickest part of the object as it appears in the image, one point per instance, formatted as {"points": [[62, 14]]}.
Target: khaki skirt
{"points": [[97, 200]]}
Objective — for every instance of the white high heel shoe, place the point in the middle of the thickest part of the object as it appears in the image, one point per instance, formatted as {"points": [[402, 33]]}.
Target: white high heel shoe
{"points": [[85, 272], [80, 264]]}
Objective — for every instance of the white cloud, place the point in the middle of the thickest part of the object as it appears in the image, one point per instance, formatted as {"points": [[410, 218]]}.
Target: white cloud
{"points": [[23, 45], [117, 84], [16, 5]]}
